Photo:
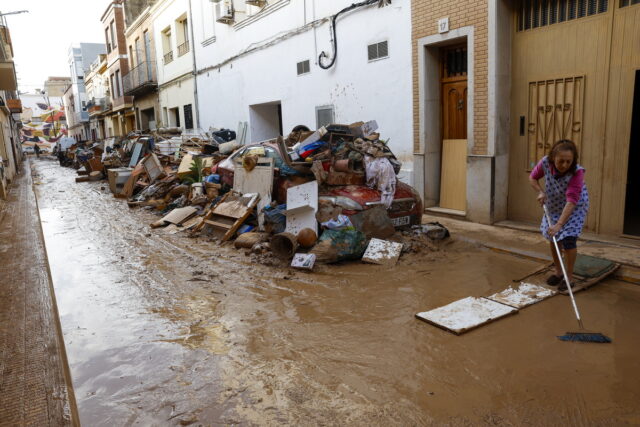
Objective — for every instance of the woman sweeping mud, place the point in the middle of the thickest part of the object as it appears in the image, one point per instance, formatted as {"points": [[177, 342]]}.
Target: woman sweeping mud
{"points": [[567, 200]]}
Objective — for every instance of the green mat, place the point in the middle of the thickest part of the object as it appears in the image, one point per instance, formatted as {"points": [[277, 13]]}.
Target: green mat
{"points": [[590, 266]]}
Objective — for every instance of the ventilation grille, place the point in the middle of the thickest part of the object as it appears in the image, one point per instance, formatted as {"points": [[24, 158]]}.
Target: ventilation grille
{"points": [[303, 67], [378, 50], [324, 116], [624, 3], [540, 13]]}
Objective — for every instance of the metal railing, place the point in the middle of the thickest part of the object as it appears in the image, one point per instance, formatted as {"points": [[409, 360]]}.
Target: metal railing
{"points": [[80, 116], [142, 74], [183, 48], [121, 102], [168, 57], [98, 105]]}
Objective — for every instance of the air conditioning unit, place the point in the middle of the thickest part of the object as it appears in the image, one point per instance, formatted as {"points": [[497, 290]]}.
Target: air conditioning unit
{"points": [[225, 12], [258, 3]]}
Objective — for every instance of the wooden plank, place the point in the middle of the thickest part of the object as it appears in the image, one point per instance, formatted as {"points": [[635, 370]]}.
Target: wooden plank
{"points": [[453, 184], [219, 224]]}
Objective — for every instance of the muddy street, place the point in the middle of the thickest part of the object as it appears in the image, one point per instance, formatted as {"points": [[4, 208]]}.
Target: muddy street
{"points": [[166, 329]]}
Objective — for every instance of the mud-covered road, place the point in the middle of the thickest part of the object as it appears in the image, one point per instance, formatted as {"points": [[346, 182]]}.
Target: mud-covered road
{"points": [[165, 329]]}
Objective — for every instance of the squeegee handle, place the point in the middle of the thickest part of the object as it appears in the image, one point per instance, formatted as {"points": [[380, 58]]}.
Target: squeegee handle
{"points": [[564, 270]]}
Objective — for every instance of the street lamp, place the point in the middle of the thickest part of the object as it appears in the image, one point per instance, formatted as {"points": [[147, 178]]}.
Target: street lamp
{"points": [[14, 13]]}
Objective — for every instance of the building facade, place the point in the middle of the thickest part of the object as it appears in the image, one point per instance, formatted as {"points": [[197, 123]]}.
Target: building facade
{"points": [[259, 62], [80, 58], [99, 104], [142, 82], [175, 64], [121, 117], [55, 86], [10, 109], [496, 82]]}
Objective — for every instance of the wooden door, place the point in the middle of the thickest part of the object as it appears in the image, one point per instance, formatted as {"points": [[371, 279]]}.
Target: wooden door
{"points": [[453, 179], [454, 111]]}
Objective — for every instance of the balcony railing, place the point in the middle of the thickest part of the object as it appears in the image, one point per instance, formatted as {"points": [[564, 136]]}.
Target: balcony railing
{"points": [[168, 57], [183, 48], [122, 102], [141, 79], [80, 116], [98, 106]]}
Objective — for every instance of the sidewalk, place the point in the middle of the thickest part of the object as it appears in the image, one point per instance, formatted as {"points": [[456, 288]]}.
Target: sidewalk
{"points": [[530, 244], [34, 377]]}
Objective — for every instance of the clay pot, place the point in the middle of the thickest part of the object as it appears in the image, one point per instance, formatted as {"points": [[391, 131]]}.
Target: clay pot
{"points": [[307, 238]]}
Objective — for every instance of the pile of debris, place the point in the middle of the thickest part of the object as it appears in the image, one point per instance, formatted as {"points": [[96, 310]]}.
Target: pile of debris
{"points": [[315, 196]]}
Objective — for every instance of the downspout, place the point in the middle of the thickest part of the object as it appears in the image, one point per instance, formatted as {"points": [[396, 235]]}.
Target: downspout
{"points": [[194, 71]]}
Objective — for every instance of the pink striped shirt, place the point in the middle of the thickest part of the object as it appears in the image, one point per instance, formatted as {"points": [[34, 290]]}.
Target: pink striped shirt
{"points": [[575, 183]]}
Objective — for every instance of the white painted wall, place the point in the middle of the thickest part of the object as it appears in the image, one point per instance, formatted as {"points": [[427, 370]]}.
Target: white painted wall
{"points": [[358, 89], [176, 87]]}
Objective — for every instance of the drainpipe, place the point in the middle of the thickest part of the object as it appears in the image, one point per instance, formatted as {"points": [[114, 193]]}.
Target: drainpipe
{"points": [[194, 72]]}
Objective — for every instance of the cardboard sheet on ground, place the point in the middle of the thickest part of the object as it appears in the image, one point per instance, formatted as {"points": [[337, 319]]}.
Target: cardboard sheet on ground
{"points": [[302, 205], [522, 295], [382, 252], [466, 314], [179, 215]]}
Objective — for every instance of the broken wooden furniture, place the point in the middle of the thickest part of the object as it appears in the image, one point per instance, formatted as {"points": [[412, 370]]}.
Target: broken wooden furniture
{"points": [[230, 213]]}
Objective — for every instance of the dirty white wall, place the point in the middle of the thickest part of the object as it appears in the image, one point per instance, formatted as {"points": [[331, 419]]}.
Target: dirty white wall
{"points": [[176, 96], [230, 81], [174, 79]]}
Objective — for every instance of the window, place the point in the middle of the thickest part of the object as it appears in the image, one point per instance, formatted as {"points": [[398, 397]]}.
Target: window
{"points": [[114, 42], [131, 57], [324, 116], [555, 112], [118, 92], [84, 106], [378, 50], [166, 45], [138, 51], [106, 37], [539, 13], [188, 117], [303, 67], [624, 3], [113, 88], [182, 36]]}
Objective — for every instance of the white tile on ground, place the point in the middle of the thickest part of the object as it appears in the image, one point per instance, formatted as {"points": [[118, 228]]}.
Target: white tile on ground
{"points": [[465, 314], [382, 252], [523, 295]]}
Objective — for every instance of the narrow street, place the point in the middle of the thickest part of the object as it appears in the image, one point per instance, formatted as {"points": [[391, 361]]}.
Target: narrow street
{"points": [[164, 329]]}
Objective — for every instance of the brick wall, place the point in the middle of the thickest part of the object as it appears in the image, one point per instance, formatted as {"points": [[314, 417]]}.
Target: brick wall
{"points": [[461, 13]]}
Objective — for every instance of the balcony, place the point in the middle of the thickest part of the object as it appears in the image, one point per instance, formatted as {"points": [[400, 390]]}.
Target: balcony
{"points": [[122, 102], [183, 48], [168, 57], [227, 16], [6, 48], [98, 106], [80, 116], [14, 105], [8, 80], [141, 79]]}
